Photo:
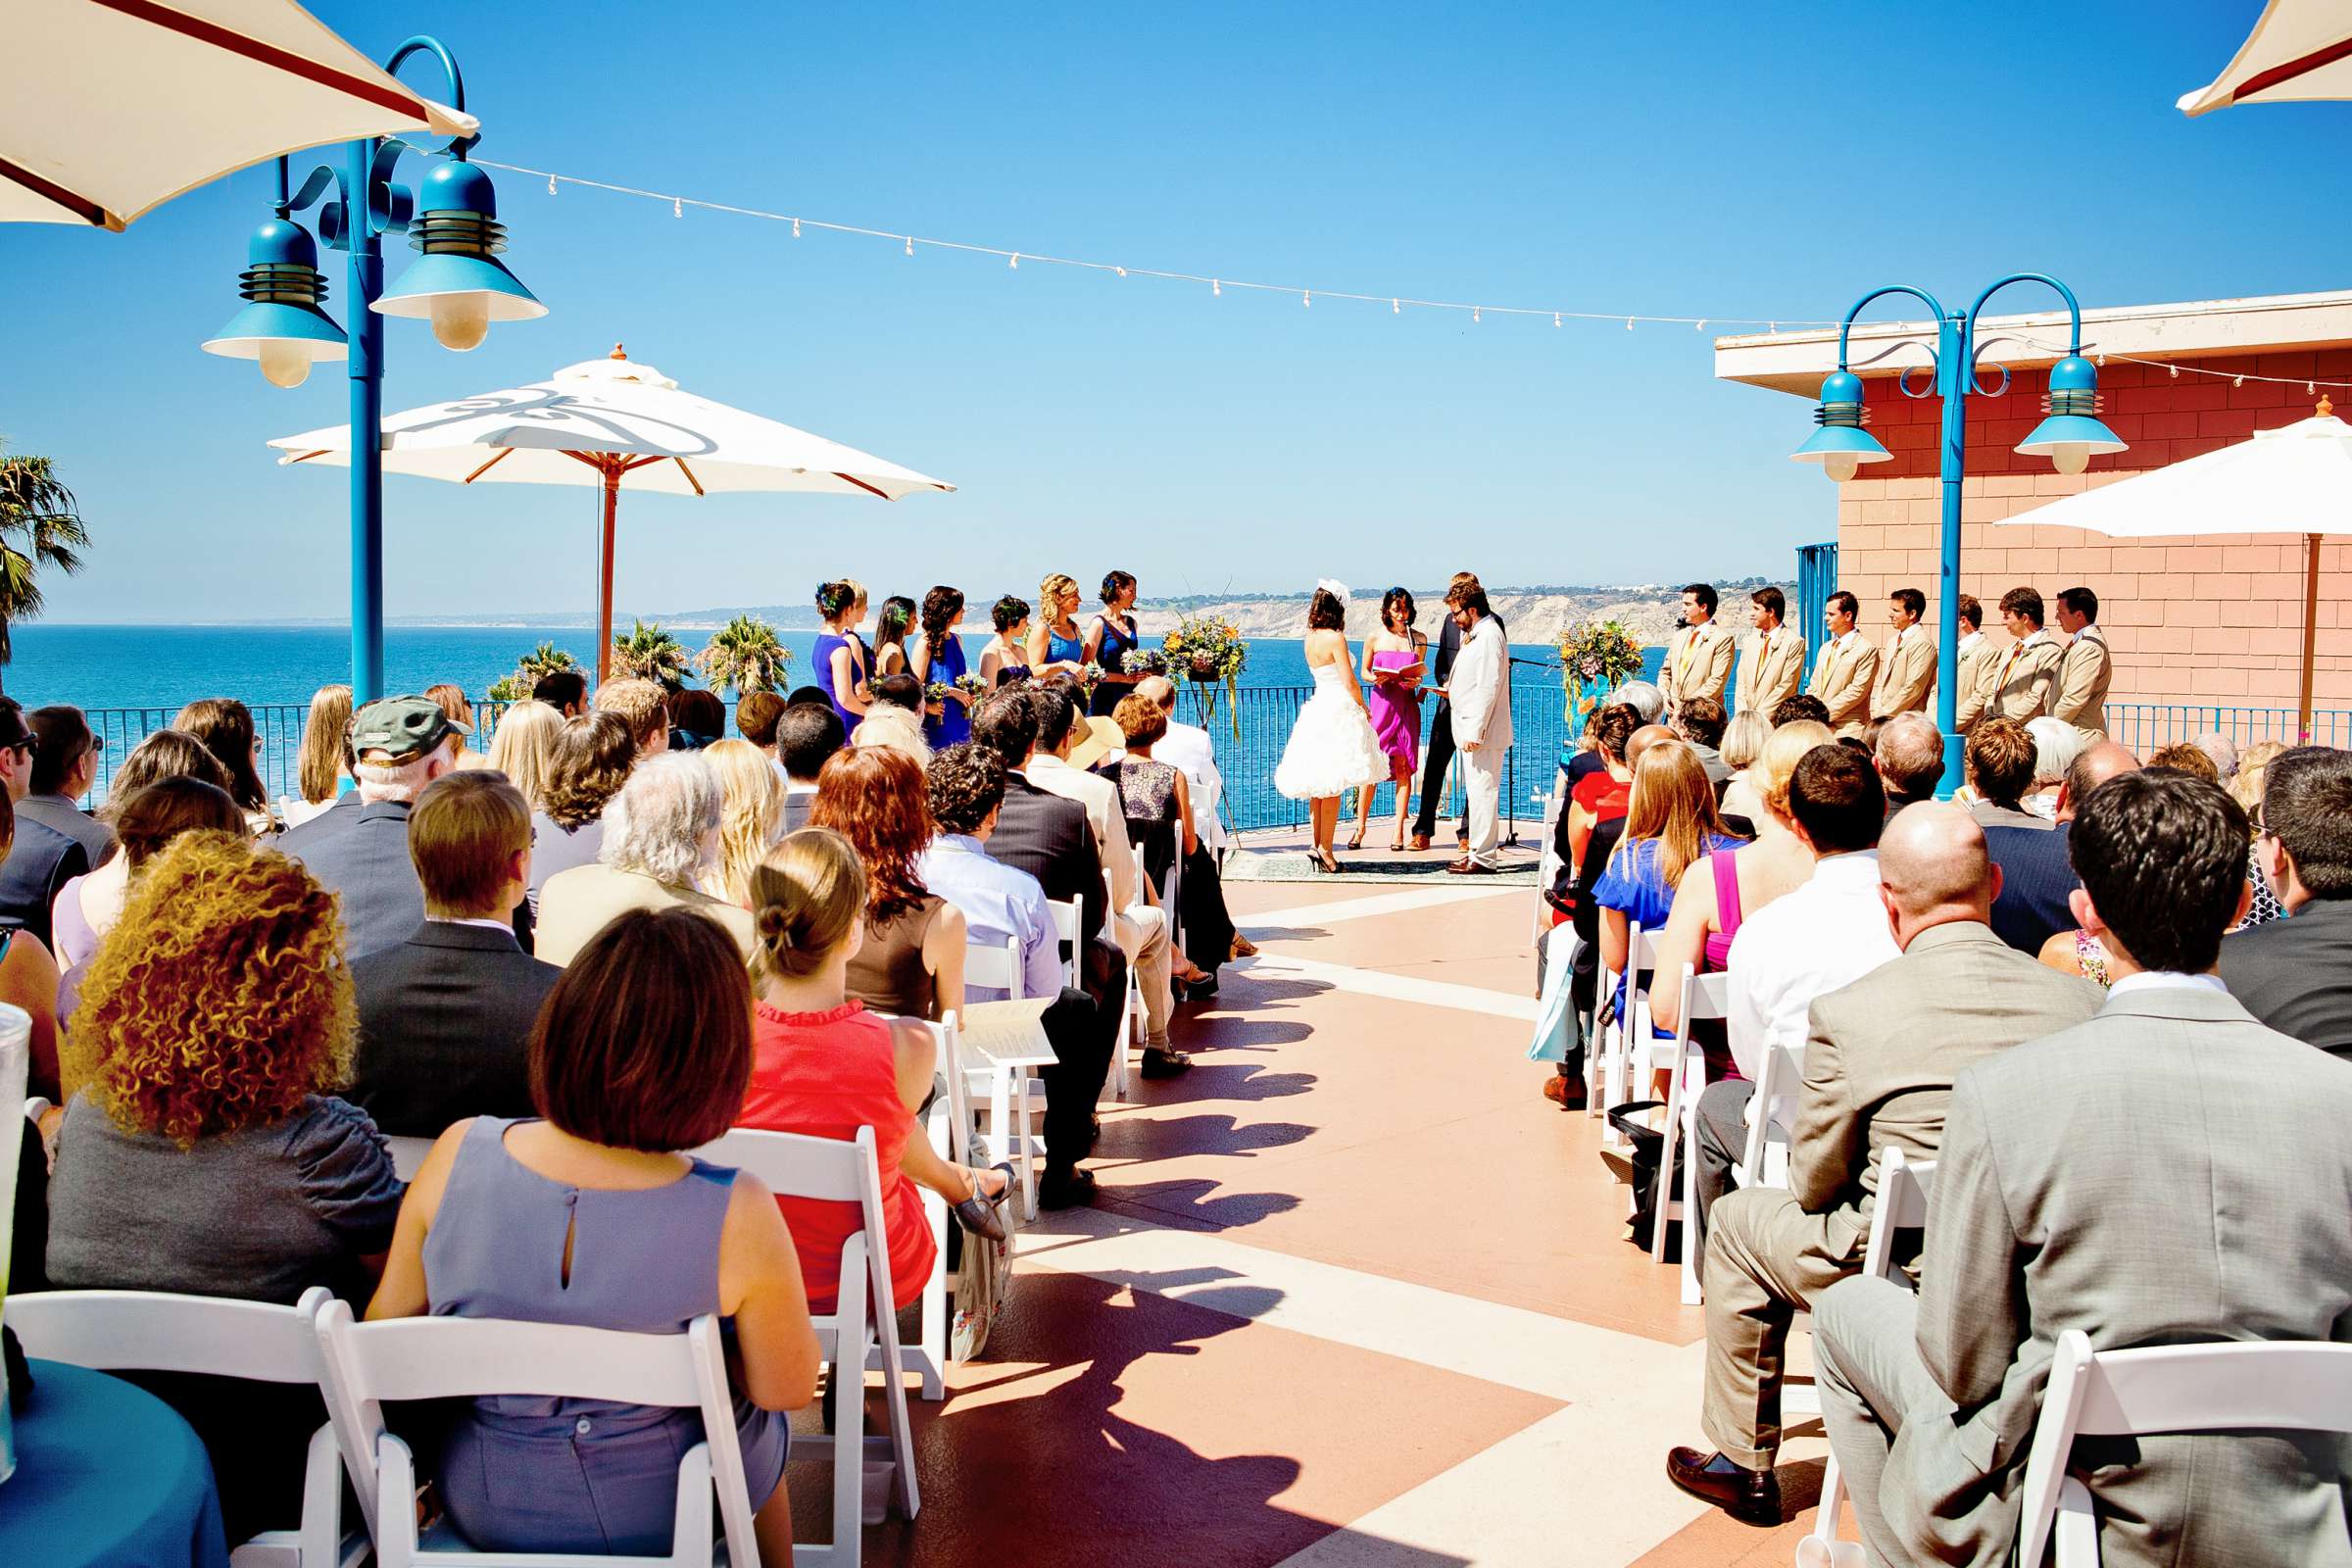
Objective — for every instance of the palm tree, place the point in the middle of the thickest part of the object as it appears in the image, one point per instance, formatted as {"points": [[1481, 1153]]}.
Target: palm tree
{"points": [[650, 652], [37, 513], [744, 655], [544, 659]]}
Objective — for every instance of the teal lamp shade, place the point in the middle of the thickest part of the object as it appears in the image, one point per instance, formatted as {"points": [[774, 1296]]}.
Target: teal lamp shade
{"points": [[456, 281], [282, 325], [1841, 445], [2072, 434]]}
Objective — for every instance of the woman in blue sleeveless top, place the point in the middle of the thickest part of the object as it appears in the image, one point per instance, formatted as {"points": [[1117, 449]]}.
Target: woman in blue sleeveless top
{"points": [[1056, 645], [590, 1217], [1110, 639], [936, 659], [836, 663]]}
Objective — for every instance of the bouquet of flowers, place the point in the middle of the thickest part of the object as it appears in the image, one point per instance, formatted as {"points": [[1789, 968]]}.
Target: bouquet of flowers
{"points": [[1208, 651], [935, 698], [974, 687], [1089, 677], [1142, 661], [1596, 659]]}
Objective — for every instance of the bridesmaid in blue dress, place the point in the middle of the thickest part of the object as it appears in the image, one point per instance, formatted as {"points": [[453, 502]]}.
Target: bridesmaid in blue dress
{"points": [[1110, 639], [594, 1217], [1004, 661], [936, 659], [835, 663], [1056, 645]]}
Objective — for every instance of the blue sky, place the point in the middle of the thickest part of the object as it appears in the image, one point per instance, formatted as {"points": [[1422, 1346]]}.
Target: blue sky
{"points": [[1694, 159]]}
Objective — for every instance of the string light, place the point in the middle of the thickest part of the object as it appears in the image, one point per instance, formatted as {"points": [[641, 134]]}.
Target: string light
{"points": [[1473, 315], [910, 244], [1121, 271], [1396, 308], [2309, 387], [1700, 325], [1629, 323], [796, 228], [677, 209], [1307, 298], [2175, 371], [1015, 263], [2239, 381], [1555, 317], [1215, 287], [551, 184]]}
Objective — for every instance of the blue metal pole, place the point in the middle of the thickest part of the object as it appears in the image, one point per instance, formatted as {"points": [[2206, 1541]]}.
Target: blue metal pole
{"points": [[1953, 375], [366, 365]]}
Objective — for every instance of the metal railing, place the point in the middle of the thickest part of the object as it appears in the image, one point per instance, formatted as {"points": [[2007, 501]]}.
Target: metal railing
{"points": [[2147, 727]]}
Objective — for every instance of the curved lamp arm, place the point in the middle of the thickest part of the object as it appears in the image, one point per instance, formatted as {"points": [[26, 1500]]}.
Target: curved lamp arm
{"points": [[1968, 339], [423, 43], [1846, 326]]}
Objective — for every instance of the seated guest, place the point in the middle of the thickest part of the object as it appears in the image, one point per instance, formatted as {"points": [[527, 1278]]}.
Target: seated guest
{"points": [[2056, 744], [28, 980], [1566, 1085], [1910, 758], [452, 698], [2222, 751], [402, 744], [322, 765], [524, 748], [1827, 934], [1206, 925], [86, 908], [204, 1151], [145, 820], [910, 962], [1601, 794], [595, 1217], [2036, 877], [1644, 698], [1157, 801], [697, 718], [641, 704], [1804, 705], [40, 860], [1669, 825], [1000, 904], [2246, 786], [807, 734], [226, 727], [2295, 973], [825, 1066], [755, 716], [65, 764], [1701, 721], [660, 842], [2194, 760], [445, 1016], [896, 718], [2000, 770], [1719, 891], [564, 690], [586, 767], [1962, 995], [2169, 1172], [1743, 741], [751, 816]]}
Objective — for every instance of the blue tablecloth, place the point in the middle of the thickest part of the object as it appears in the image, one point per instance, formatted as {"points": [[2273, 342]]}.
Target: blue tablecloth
{"points": [[107, 1474]]}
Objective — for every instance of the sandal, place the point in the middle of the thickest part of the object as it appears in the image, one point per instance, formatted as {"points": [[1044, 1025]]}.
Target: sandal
{"points": [[978, 1213], [1356, 840]]}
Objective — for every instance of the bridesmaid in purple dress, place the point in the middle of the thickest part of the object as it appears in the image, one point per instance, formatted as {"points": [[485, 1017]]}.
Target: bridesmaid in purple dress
{"points": [[1396, 658]]}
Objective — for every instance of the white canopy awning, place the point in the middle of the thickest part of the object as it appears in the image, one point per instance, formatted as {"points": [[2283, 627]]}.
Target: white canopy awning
{"points": [[2300, 51]]}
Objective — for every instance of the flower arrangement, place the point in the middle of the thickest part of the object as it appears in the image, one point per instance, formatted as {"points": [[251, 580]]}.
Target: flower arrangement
{"points": [[972, 686], [934, 693], [1142, 661], [1090, 675], [1596, 659], [1208, 651]]}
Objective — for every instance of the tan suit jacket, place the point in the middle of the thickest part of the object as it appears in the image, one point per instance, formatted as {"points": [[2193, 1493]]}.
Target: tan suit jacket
{"points": [[1771, 665], [1906, 675], [1698, 663], [1966, 700], [2084, 675], [1843, 681], [577, 904], [2021, 680]]}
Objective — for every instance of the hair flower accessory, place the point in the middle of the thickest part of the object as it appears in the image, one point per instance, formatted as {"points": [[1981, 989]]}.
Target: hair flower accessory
{"points": [[1337, 590]]}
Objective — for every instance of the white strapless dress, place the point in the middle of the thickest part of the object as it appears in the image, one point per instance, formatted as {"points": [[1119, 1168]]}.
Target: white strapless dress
{"points": [[1332, 748]]}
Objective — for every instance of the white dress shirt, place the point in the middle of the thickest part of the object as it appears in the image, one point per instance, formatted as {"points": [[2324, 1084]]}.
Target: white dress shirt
{"points": [[1814, 939], [998, 904], [1969, 642], [2165, 979], [1187, 748]]}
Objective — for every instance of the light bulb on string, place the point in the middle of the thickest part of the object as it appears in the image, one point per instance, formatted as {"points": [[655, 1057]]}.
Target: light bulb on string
{"points": [[551, 184], [1215, 287], [2173, 370], [796, 228], [1629, 323], [1474, 314], [2309, 387], [1015, 263], [2240, 381], [677, 208], [1555, 317], [1121, 271], [1395, 308], [910, 244], [1307, 298], [1701, 325]]}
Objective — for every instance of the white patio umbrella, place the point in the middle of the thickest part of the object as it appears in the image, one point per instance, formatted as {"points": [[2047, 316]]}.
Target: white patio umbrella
{"points": [[110, 107], [614, 423], [2300, 51], [2294, 479]]}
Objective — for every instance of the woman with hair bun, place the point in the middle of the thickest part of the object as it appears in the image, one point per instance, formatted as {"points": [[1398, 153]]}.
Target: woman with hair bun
{"points": [[1004, 661], [1332, 748], [837, 661]]}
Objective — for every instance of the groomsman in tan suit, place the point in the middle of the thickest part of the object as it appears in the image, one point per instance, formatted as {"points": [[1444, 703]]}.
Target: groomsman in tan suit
{"points": [[1967, 704], [1908, 672], [1772, 658], [1847, 667], [1699, 657], [2088, 667], [2021, 681]]}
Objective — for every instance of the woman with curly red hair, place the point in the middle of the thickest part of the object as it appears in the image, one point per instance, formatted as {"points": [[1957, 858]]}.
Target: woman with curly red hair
{"points": [[205, 1151], [911, 962]]}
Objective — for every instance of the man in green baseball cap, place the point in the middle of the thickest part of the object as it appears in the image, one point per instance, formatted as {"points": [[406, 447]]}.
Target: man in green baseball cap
{"points": [[400, 728]]}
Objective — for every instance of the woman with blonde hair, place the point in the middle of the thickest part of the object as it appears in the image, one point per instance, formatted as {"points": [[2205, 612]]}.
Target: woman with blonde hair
{"points": [[1056, 644], [750, 818], [1671, 824], [1723, 888], [2246, 786], [323, 772], [451, 698], [523, 746]]}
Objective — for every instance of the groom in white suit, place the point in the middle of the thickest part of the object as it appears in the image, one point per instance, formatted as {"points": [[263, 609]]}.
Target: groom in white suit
{"points": [[1479, 690]]}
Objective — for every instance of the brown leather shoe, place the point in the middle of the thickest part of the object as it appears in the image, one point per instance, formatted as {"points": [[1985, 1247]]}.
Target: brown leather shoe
{"points": [[1752, 1496], [1466, 866], [1420, 841], [1243, 946]]}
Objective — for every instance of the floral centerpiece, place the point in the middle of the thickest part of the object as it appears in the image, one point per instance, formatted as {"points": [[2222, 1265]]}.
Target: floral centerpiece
{"points": [[1208, 652], [1596, 659]]}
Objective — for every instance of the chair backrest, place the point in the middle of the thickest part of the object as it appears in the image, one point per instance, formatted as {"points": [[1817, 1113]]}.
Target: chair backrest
{"points": [[2289, 1384], [408, 1154], [1902, 1205], [1782, 1075], [161, 1331], [946, 1036], [1704, 997], [828, 1170], [996, 966], [1066, 929]]}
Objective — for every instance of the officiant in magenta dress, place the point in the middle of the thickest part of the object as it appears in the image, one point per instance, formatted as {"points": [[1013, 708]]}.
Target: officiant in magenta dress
{"points": [[1332, 748], [1395, 659]]}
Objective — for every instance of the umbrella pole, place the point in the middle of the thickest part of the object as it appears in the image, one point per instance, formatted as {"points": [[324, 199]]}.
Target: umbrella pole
{"points": [[604, 602], [2311, 620]]}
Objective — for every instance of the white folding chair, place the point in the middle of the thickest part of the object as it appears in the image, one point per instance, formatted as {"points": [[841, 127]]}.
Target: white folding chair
{"points": [[1131, 1025], [1619, 1043], [1008, 1089], [1902, 1205], [1547, 862], [470, 1357], [1065, 931], [1765, 1161], [1702, 997], [794, 1165], [2275, 1386], [158, 1331], [408, 1153]]}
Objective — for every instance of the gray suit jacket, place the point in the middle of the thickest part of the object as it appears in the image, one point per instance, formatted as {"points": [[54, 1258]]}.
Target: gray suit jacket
{"points": [[1961, 995], [2169, 1171]]}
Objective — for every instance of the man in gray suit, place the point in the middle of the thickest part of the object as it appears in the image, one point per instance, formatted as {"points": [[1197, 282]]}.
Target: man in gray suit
{"points": [[2170, 1171], [1962, 994]]}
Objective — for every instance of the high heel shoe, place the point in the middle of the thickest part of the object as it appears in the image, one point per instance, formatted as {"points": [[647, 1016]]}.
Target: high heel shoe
{"points": [[1330, 862], [1355, 840]]}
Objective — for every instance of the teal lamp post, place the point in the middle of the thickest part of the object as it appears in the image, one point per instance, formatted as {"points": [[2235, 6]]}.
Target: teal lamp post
{"points": [[2069, 435], [457, 282]]}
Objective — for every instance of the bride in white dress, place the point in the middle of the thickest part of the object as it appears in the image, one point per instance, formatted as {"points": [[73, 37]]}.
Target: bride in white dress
{"points": [[1332, 748]]}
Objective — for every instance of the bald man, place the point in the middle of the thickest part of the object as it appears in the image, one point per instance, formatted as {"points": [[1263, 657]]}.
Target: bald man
{"points": [[1878, 1072], [2038, 873]]}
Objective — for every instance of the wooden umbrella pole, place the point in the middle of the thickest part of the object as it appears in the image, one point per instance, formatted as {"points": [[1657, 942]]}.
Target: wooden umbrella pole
{"points": [[2311, 622], [603, 601]]}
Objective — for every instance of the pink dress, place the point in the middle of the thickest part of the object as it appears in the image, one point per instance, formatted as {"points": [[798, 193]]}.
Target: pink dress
{"points": [[1395, 710]]}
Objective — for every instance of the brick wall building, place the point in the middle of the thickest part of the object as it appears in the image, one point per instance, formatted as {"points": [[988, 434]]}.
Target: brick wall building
{"points": [[2209, 622]]}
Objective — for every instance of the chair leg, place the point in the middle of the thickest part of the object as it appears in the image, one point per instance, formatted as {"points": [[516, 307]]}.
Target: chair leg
{"points": [[1027, 1164], [1671, 1139], [934, 1344], [1694, 1076]]}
